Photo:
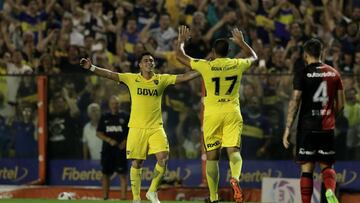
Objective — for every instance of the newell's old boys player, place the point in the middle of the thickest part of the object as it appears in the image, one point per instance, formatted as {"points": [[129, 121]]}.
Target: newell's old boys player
{"points": [[146, 133], [319, 91]]}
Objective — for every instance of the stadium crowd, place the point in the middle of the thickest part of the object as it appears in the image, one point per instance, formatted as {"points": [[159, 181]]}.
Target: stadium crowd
{"points": [[48, 37]]}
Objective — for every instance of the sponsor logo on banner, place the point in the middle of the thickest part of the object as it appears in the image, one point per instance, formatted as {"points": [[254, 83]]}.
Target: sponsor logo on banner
{"points": [[18, 171], [285, 190], [81, 172], [86, 172]]}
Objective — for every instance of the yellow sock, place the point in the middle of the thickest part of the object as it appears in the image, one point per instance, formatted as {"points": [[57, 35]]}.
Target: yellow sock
{"points": [[235, 165], [212, 175], [135, 179], [158, 175]]}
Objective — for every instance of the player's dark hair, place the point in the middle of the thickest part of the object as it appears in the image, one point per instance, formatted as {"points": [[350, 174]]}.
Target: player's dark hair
{"points": [[313, 47], [142, 55], [221, 47]]}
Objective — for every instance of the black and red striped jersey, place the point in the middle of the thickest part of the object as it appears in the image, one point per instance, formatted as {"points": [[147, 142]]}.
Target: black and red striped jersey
{"points": [[319, 84]]}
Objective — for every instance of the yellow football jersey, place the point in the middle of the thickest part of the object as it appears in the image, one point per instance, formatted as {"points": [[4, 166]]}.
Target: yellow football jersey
{"points": [[146, 98], [222, 78]]}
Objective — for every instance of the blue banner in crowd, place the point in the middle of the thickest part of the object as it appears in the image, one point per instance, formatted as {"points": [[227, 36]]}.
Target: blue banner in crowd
{"points": [[189, 173], [18, 171], [184, 172]]}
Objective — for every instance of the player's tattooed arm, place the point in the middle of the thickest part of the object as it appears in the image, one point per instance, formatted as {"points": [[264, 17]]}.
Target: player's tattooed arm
{"points": [[86, 63], [292, 111], [293, 108]]}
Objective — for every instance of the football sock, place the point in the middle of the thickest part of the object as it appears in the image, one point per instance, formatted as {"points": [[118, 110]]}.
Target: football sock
{"points": [[235, 162], [212, 175], [158, 175], [329, 177], [135, 179], [306, 187]]}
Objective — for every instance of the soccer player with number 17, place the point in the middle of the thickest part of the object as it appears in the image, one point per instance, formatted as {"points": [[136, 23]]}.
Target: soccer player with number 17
{"points": [[222, 118]]}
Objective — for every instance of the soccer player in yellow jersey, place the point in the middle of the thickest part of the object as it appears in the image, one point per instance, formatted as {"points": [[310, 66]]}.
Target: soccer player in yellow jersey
{"points": [[222, 118], [146, 133]]}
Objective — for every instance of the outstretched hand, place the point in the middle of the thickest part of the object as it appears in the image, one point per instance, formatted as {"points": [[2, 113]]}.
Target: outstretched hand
{"points": [[184, 34], [237, 36], [85, 63]]}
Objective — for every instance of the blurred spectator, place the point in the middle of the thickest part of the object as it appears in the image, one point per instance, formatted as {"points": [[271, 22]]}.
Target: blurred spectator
{"points": [[70, 64], [164, 34], [47, 66], [67, 28], [189, 134], [172, 63], [64, 130], [284, 13], [144, 10], [92, 94], [94, 19], [352, 113], [130, 36], [32, 15], [4, 138], [17, 66], [24, 134], [256, 132], [91, 143], [177, 101], [197, 47]]}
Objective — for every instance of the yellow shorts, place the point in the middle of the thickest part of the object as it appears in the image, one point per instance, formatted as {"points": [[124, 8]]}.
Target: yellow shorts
{"points": [[144, 141], [222, 130]]}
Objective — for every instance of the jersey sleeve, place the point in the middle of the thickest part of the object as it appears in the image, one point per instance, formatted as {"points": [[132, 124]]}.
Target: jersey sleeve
{"points": [[124, 77], [243, 64], [168, 79], [167, 55], [198, 64], [101, 125]]}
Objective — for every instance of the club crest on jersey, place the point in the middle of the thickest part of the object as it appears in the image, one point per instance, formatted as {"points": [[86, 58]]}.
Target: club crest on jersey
{"points": [[156, 82]]}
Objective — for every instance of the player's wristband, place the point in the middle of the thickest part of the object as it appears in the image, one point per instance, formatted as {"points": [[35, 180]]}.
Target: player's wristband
{"points": [[182, 45], [92, 68]]}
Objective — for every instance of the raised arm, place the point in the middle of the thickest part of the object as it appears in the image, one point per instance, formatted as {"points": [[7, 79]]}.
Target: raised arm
{"points": [[238, 38], [86, 63], [293, 108], [184, 34]]}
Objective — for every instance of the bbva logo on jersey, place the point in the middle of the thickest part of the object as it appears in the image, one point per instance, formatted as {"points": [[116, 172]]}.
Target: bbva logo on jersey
{"points": [[114, 128], [145, 91]]}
